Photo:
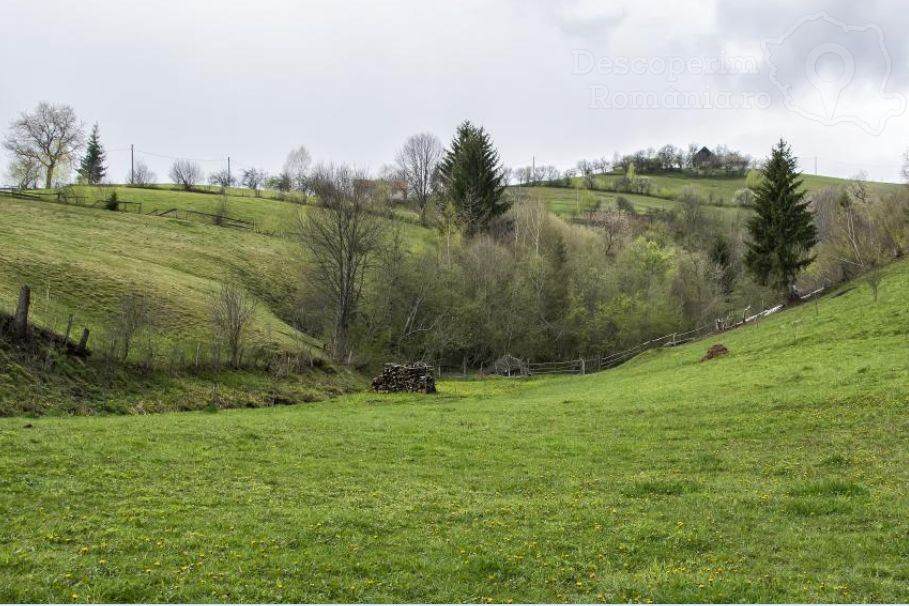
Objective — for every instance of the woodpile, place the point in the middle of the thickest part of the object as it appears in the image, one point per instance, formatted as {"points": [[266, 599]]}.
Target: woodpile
{"points": [[398, 377]]}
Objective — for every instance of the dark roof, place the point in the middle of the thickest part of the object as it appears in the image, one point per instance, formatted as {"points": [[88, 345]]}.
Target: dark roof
{"points": [[702, 154]]}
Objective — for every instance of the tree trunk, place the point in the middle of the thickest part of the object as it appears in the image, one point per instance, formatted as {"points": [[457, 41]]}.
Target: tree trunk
{"points": [[20, 322], [49, 180]]}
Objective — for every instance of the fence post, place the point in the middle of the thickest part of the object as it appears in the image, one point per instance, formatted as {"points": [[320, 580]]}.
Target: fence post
{"points": [[583, 366], [20, 322], [83, 342], [69, 327]]}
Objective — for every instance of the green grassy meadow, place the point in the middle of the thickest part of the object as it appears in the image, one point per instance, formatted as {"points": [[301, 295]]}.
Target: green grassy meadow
{"points": [[723, 188], [81, 260], [775, 474], [569, 202]]}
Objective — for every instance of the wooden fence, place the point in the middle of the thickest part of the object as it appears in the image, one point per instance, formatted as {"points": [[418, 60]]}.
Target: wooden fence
{"points": [[195, 215], [580, 366], [63, 197]]}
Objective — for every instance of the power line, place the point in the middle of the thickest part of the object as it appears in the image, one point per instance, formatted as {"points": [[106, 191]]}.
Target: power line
{"points": [[167, 157]]}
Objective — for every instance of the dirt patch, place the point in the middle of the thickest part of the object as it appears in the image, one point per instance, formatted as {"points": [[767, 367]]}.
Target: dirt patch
{"points": [[715, 351]]}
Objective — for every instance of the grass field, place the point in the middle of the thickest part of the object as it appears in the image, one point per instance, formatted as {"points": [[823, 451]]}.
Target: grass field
{"points": [[567, 202], [82, 260], [775, 474], [570, 202], [723, 188]]}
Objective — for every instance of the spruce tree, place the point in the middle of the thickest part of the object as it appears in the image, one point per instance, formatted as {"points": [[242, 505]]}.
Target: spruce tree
{"points": [[92, 167], [472, 178], [782, 230]]}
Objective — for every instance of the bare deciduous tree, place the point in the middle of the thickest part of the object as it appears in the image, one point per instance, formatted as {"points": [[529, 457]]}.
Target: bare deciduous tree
{"points": [[186, 173], [232, 313], [50, 136], [418, 161], [297, 166], [340, 238], [132, 316], [141, 175], [222, 179], [254, 178], [24, 172], [587, 170]]}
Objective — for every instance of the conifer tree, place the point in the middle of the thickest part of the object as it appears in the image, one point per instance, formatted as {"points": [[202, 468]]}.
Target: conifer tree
{"points": [[782, 230], [471, 177], [92, 167]]}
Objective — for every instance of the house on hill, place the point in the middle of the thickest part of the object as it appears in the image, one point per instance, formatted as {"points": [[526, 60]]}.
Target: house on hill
{"points": [[704, 158]]}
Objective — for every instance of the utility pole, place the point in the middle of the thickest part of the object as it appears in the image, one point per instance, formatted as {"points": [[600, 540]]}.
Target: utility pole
{"points": [[132, 164], [228, 171], [815, 166], [533, 170]]}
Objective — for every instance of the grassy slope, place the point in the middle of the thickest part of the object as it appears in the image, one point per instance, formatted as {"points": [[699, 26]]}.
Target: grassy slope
{"points": [[81, 260], [777, 473], [566, 201]]}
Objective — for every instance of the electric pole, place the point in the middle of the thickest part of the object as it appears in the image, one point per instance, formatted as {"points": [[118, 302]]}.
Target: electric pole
{"points": [[132, 164], [228, 171]]}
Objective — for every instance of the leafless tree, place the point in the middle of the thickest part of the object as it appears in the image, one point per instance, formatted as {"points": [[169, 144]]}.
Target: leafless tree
{"points": [[132, 316], [613, 225], [418, 160], [51, 135], [254, 178], [340, 238], [297, 166], [24, 172], [222, 179], [587, 170], [186, 173], [600, 165], [141, 175], [233, 311]]}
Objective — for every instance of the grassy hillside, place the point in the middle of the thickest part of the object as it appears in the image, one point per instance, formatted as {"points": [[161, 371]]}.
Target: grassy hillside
{"points": [[777, 473], [670, 185], [571, 202], [82, 260], [567, 202]]}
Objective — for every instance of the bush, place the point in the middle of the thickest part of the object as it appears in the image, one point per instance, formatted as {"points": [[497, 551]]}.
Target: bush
{"points": [[112, 203], [625, 205], [743, 197]]}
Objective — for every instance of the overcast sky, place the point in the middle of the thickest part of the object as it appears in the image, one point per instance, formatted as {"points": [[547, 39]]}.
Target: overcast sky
{"points": [[350, 80]]}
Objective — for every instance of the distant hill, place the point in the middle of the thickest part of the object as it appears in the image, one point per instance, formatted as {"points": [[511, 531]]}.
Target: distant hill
{"points": [[569, 201]]}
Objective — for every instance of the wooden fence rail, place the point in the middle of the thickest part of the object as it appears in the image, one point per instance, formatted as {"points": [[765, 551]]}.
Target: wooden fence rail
{"points": [[597, 363]]}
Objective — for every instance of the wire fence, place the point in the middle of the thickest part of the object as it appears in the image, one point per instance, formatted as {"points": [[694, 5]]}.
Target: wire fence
{"points": [[517, 368]]}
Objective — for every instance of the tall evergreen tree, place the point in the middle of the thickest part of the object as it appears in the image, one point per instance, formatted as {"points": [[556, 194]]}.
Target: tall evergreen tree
{"points": [[92, 168], [472, 177], [782, 230]]}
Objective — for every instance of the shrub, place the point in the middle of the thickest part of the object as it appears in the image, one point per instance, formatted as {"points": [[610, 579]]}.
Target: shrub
{"points": [[743, 197]]}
